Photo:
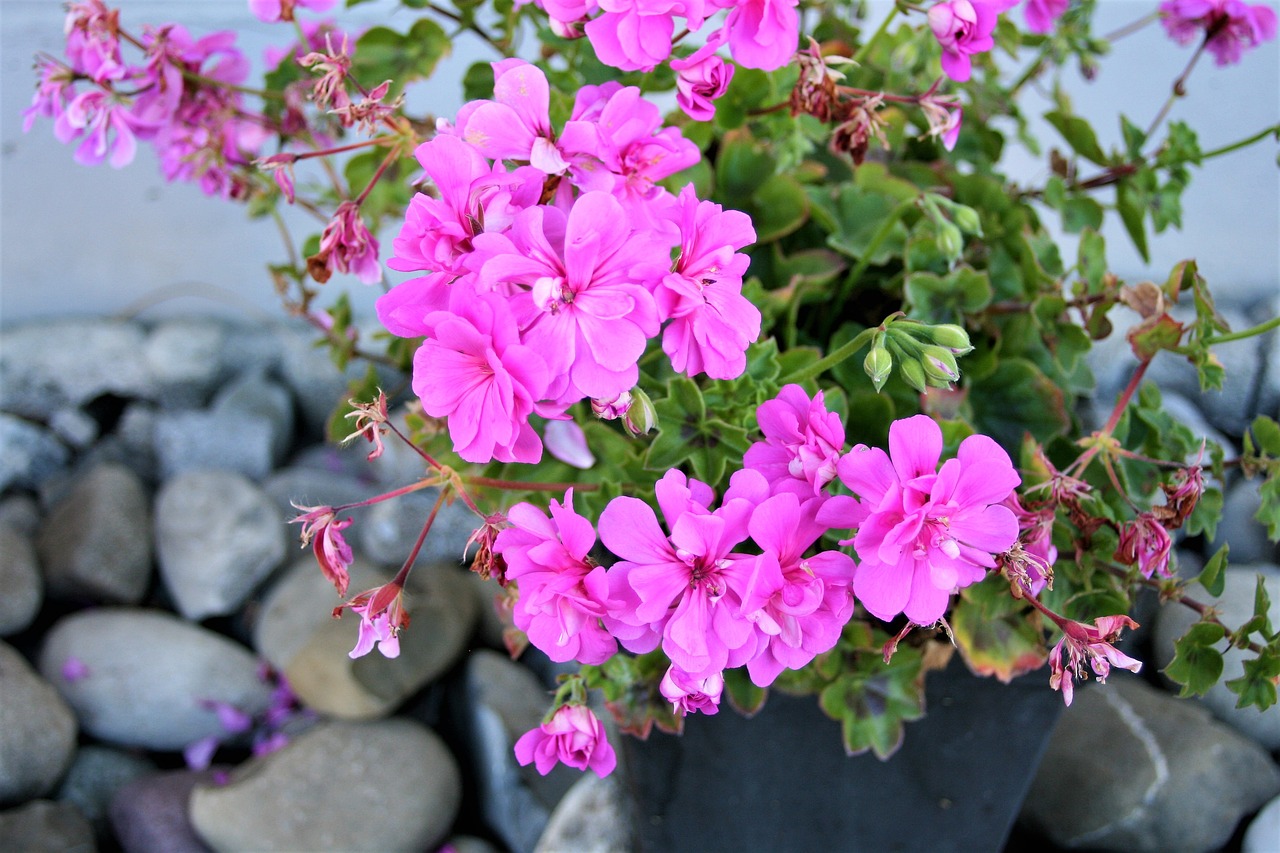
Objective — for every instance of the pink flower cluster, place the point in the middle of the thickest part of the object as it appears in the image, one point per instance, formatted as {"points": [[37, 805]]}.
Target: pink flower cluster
{"points": [[1229, 27], [738, 583], [106, 105], [549, 265]]}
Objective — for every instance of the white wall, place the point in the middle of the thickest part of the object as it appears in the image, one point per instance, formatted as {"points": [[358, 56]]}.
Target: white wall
{"points": [[75, 239]]}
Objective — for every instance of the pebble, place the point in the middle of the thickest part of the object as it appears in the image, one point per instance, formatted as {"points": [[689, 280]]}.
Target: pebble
{"points": [[95, 543], [42, 826], [592, 818], [1263, 834], [217, 537], [144, 675], [297, 486], [29, 454], [94, 777], [1131, 768], [1236, 608], [255, 399], [195, 440], [149, 814], [47, 366], [184, 359], [502, 700], [1247, 535], [380, 786], [297, 634], [23, 590], [37, 731]]}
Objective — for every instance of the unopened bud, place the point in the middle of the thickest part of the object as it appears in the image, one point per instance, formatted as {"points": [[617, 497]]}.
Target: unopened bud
{"points": [[913, 374], [939, 366], [967, 219], [951, 337], [640, 417], [950, 241], [878, 365]]}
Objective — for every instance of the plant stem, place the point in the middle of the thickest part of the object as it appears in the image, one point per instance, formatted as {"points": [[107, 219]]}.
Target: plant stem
{"points": [[834, 358], [472, 25], [1227, 337], [519, 486], [391, 157], [882, 234], [1179, 86], [862, 52], [1130, 29], [403, 574], [1077, 468]]}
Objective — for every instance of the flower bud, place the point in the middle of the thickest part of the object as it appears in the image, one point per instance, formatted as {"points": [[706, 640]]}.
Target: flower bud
{"points": [[913, 374], [952, 337], [967, 219], [640, 417], [950, 241], [939, 366], [877, 365]]}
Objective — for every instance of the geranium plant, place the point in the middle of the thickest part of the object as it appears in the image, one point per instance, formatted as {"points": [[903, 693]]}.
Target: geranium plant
{"points": [[723, 318]]}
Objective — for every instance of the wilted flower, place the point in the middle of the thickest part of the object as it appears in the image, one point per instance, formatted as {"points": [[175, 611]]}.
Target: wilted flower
{"points": [[346, 246], [322, 529], [1092, 645], [1144, 542]]}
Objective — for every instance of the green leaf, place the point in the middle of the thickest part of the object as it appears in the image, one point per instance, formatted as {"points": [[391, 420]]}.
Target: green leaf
{"points": [[994, 632], [1132, 211], [873, 702], [1081, 212], [857, 217], [384, 54], [936, 299], [742, 167], [744, 696], [1205, 517], [1257, 687], [1017, 397], [1078, 134], [1196, 665], [1212, 578], [1269, 512], [1266, 435], [1134, 138], [779, 207]]}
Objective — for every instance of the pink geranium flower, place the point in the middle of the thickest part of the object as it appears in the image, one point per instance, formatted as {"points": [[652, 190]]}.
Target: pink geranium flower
{"points": [[1231, 26], [1042, 15], [712, 323], [963, 28], [762, 34], [475, 371], [688, 694], [382, 617], [802, 446], [700, 80], [1088, 646], [282, 10], [563, 592], [928, 531], [322, 529], [574, 737]]}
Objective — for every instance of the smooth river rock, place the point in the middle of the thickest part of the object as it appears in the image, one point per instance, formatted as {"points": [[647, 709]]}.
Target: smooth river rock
{"points": [[138, 677], [37, 732], [377, 786]]}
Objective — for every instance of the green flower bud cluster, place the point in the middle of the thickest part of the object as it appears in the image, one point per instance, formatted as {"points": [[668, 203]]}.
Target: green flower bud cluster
{"points": [[951, 222], [925, 355]]}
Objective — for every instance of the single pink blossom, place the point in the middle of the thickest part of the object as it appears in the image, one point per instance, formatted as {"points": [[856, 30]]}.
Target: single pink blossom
{"points": [[282, 10], [382, 617], [93, 41], [944, 114], [1032, 567], [1042, 15], [346, 246], [1089, 645], [700, 80], [1144, 542], [688, 694], [475, 370], [762, 34], [564, 593], [322, 529], [1230, 27], [574, 737], [928, 530], [964, 28], [802, 446]]}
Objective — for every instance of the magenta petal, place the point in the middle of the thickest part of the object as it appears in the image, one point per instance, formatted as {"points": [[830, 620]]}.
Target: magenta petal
{"points": [[915, 445], [883, 589]]}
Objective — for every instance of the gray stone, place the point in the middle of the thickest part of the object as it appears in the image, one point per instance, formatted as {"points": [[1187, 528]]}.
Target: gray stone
{"points": [[317, 384], [379, 786], [470, 844], [1240, 527], [399, 463], [149, 814], [254, 346], [1130, 768], [29, 454], [184, 359], [593, 817], [1236, 608], [252, 398], [47, 366], [146, 676], [389, 529], [296, 633], [196, 440], [74, 427], [217, 536], [96, 541], [297, 486], [37, 731], [136, 433], [502, 701], [94, 777], [42, 826], [22, 513], [1263, 834], [23, 591]]}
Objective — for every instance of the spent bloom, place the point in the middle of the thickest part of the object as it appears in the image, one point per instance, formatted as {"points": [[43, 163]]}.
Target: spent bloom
{"points": [[1230, 26], [322, 529], [1088, 646], [1145, 542], [923, 531], [574, 737], [346, 246]]}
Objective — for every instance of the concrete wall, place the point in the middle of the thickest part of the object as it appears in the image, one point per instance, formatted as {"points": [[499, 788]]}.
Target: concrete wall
{"points": [[75, 239]]}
